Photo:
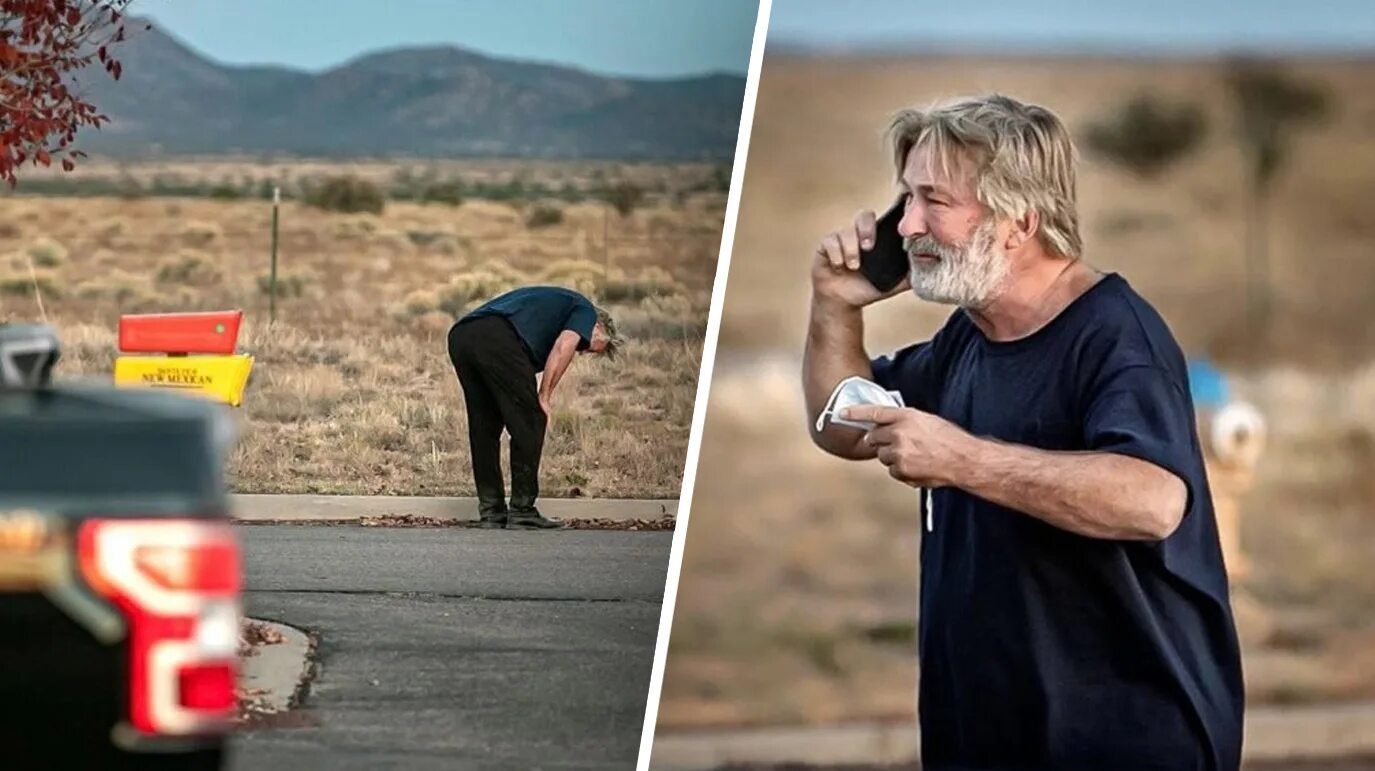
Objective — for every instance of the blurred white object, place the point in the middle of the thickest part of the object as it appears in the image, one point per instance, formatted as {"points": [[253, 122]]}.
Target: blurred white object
{"points": [[851, 392], [1238, 435]]}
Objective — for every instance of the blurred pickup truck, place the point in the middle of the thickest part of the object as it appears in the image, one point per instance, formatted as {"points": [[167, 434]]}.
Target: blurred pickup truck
{"points": [[120, 573]]}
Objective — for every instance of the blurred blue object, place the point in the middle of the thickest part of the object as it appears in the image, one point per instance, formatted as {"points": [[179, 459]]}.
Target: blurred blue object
{"points": [[1207, 385]]}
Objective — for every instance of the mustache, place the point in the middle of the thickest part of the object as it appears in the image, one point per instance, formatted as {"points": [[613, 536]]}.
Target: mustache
{"points": [[928, 244]]}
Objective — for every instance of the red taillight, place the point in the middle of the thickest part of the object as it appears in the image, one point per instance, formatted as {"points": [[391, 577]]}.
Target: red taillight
{"points": [[210, 567], [206, 686], [177, 582]]}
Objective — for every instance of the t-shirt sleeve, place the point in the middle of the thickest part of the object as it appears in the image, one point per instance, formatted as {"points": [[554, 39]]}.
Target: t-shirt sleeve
{"points": [[581, 319], [910, 372], [1140, 411]]}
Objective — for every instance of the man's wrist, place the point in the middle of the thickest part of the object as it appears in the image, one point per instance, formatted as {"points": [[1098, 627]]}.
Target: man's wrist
{"points": [[834, 307], [967, 453]]}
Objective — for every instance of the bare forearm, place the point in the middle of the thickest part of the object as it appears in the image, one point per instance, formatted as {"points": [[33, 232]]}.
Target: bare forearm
{"points": [[554, 367], [834, 351], [1094, 494]]}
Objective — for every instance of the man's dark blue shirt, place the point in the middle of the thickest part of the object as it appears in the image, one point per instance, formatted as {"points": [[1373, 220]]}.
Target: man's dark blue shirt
{"points": [[539, 315], [1040, 648]]}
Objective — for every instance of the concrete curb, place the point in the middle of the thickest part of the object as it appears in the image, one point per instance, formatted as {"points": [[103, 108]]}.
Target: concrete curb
{"points": [[298, 508], [1320, 732], [277, 670]]}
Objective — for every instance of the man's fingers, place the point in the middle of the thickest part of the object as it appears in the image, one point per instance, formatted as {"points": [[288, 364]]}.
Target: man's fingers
{"points": [[866, 226], [849, 244], [880, 437], [873, 413], [830, 247]]}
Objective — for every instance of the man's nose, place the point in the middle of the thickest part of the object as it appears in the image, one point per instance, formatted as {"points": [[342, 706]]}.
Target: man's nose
{"points": [[913, 222]]}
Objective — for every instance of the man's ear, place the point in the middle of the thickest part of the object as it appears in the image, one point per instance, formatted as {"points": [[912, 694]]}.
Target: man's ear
{"points": [[1024, 228]]}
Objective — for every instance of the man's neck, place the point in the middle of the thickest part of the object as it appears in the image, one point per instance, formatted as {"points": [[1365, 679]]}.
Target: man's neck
{"points": [[1033, 297]]}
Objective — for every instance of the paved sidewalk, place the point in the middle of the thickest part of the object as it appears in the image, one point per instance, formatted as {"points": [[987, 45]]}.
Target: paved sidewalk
{"points": [[353, 507]]}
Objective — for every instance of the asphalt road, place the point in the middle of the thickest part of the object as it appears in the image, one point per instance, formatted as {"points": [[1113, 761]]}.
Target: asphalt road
{"points": [[459, 648]]}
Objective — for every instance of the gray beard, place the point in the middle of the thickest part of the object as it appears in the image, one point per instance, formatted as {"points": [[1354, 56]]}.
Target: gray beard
{"points": [[971, 276]]}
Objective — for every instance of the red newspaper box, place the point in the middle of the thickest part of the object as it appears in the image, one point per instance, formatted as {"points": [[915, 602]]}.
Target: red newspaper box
{"points": [[180, 333]]}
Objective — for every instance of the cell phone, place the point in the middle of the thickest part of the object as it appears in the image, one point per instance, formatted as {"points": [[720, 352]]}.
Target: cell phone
{"points": [[886, 265]]}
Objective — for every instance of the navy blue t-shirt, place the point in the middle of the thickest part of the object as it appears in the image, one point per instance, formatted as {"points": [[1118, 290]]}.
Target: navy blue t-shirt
{"points": [[1040, 648], [539, 314]]}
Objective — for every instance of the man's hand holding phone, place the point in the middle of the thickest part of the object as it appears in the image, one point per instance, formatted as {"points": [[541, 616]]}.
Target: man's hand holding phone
{"points": [[863, 262]]}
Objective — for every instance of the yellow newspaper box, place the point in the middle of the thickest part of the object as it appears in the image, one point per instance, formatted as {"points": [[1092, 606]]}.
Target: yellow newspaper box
{"points": [[214, 371], [221, 378]]}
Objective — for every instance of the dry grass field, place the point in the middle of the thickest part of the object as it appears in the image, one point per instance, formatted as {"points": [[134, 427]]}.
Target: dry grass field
{"points": [[352, 391], [798, 592]]}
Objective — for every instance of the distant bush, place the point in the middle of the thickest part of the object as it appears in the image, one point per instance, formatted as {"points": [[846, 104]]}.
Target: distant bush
{"points": [[421, 301], [449, 192], [200, 233], [565, 270], [650, 282], [543, 216], [623, 196], [189, 268], [47, 253], [21, 284], [482, 283], [424, 238], [288, 284], [123, 288], [1147, 134], [348, 194]]}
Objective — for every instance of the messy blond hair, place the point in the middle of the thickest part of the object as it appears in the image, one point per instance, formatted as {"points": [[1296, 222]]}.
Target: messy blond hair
{"points": [[1020, 155], [614, 340]]}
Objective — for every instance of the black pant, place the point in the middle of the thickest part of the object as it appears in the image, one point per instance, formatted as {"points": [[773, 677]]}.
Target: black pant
{"points": [[498, 383]]}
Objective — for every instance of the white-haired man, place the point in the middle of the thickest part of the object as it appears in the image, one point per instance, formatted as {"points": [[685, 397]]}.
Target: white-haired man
{"points": [[1074, 606]]}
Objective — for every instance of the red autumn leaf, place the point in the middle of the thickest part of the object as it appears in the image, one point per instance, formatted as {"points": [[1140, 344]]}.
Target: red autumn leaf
{"points": [[42, 43]]}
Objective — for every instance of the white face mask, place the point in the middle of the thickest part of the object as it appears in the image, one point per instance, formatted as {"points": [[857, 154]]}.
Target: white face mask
{"points": [[851, 392]]}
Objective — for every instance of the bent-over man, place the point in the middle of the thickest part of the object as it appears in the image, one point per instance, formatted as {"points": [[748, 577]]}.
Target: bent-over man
{"points": [[497, 349]]}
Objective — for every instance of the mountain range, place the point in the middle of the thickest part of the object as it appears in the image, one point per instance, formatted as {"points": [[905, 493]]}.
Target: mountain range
{"points": [[416, 102]]}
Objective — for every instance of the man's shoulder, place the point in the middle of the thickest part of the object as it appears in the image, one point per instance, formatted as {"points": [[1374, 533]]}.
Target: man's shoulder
{"points": [[1121, 324]]}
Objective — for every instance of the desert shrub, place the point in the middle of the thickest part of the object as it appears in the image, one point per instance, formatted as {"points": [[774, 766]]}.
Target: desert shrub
{"points": [[348, 194], [421, 301], [225, 192], [650, 282], [543, 216], [47, 253], [580, 275], [449, 192], [483, 283], [623, 196], [424, 237], [288, 284], [393, 240], [560, 271], [125, 289], [200, 234], [1147, 134], [20, 284], [189, 268], [353, 227]]}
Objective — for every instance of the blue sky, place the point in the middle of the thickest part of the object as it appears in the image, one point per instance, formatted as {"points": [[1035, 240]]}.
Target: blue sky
{"points": [[647, 38], [1122, 26]]}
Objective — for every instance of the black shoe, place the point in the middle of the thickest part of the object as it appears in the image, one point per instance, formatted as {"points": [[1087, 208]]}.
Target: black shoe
{"points": [[492, 521], [530, 519]]}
